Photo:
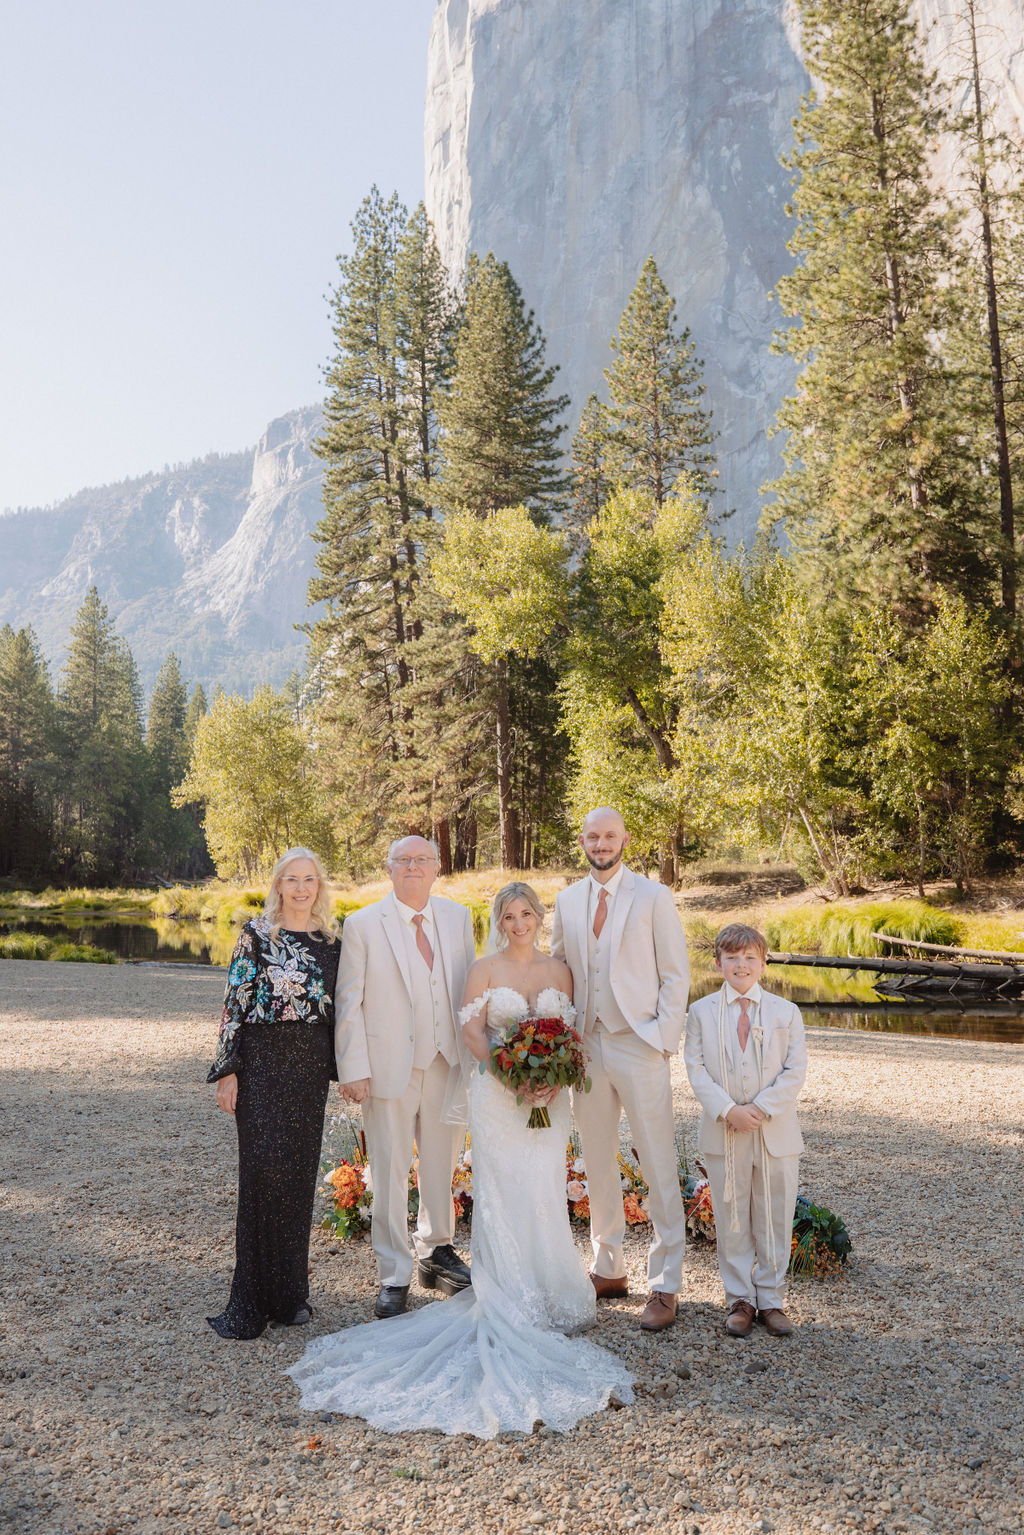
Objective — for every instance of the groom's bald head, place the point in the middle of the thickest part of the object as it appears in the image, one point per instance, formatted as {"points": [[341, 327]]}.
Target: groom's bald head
{"points": [[604, 838]]}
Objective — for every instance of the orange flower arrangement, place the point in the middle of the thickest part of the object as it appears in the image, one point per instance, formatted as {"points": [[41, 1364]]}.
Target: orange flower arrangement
{"points": [[633, 1213], [348, 1186]]}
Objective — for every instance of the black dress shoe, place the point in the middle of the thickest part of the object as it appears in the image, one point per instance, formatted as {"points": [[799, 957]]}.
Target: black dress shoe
{"points": [[391, 1300], [444, 1270]]}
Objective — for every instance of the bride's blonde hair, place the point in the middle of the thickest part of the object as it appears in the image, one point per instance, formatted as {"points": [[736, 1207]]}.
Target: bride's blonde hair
{"points": [[517, 890], [321, 918]]}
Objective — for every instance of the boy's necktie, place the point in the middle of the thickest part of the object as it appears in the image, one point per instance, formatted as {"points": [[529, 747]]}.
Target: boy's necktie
{"points": [[600, 915], [423, 942], [743, 1026]]}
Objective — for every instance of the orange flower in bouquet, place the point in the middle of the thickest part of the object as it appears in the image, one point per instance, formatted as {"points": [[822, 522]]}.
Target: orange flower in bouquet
{"points": [[539, 1053]]}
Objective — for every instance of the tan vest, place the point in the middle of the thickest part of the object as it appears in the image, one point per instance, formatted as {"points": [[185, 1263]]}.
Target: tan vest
{"points": [[601, 1004], [433, 1025], [743, 1080]]}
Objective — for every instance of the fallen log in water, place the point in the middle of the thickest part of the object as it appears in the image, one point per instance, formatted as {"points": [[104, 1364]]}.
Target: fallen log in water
{"points": [[947, 976], [949, 948]]}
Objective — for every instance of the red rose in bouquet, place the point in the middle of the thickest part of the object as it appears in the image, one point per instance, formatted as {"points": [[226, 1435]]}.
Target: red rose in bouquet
{"points": [[538, 1053]]}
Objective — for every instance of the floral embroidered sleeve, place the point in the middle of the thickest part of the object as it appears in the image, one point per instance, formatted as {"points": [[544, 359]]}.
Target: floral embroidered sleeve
{"points": [[238, 1001]]}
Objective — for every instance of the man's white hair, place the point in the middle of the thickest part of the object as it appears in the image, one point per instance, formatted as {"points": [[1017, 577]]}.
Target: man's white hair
{"points": [[408, 838]]}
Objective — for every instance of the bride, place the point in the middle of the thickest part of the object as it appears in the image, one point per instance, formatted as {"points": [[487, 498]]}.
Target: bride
{"points": [[501, 1355]]}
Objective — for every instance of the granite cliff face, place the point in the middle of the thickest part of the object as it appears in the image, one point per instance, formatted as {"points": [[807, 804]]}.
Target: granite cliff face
{"points": [[576, 140], [210, 560]]}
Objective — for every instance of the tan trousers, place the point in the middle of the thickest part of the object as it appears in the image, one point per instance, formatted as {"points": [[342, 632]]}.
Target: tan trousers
{"points": [[392, 1124], [629, 1074], [744, 1256]]}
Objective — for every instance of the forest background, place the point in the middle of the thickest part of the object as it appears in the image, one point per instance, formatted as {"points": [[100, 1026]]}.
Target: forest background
{"points": [[514, 628]]}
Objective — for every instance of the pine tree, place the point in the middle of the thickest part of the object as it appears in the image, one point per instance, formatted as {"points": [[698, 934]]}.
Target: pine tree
{"points": [[655, 427], [589, 469], [878, 497], [174, 839], [988, 285], [501, 448], [26, 755], [103, 766], [392, 321], [499, 419], [165, 722]]}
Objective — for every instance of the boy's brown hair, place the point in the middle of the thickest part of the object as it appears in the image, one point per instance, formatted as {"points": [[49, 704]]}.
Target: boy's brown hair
{"points": [[739, 936]]}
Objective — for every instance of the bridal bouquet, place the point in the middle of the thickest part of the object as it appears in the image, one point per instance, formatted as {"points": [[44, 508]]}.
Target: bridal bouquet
{"points": [[538, 1053]]}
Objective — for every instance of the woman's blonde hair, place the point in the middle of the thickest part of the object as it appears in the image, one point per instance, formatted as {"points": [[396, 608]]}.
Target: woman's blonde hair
{"points": [[518, 890], [321, 919]]}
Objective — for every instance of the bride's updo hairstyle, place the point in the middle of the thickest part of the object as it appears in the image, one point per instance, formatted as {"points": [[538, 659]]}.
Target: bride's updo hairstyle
{"points": [[518, 890], [321, 919]]}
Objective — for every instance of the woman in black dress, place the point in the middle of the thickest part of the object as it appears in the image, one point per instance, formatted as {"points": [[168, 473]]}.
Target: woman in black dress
{"points": [[274, 1065]]}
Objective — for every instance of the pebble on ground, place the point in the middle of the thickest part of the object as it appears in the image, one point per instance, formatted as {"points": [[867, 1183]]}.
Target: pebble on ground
{"points": [[896, 1407]]}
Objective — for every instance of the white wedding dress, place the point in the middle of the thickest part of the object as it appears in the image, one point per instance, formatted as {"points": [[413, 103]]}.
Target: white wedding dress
{"points": [[500, 1355]]}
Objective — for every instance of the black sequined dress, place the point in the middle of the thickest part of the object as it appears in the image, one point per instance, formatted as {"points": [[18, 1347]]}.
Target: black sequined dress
{"points": [[277, 1035]]}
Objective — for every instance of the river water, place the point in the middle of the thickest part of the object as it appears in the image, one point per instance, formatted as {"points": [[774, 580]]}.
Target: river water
{"points": [[828, 998]]}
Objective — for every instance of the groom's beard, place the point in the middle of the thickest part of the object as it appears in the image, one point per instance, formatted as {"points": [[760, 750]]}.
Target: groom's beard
{"points": [[596, 861]]}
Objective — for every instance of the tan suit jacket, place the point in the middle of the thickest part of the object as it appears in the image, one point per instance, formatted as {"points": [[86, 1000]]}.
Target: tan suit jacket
{"points": [[783, 1069], [649, 966], [373, 1030]]}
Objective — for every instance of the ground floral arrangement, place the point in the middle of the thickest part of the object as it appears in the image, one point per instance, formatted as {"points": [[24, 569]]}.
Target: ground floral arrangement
{"points": [[820, 1245]]}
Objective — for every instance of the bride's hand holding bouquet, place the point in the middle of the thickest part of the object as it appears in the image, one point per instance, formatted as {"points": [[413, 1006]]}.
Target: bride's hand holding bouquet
{"points": [[537, 1058]]}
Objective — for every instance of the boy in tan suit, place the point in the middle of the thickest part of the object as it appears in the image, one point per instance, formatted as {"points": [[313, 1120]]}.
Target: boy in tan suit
{"points": [[746, 1060]]}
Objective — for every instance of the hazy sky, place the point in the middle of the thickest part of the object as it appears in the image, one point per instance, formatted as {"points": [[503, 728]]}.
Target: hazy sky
{"points": [[176, 181]]}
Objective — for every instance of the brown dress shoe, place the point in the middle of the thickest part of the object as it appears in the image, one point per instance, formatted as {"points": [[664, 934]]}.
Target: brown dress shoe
{"points": [[660, 1312], [609, 1289], [740, 1319], [776, 1323]]}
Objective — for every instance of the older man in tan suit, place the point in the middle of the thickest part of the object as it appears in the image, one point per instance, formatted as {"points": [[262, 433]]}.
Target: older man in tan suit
{"points": [[400, 982], [621, 937]]}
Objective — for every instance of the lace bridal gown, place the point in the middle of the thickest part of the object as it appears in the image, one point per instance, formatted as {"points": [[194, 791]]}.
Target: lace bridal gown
{"points": [[502, 1354]]}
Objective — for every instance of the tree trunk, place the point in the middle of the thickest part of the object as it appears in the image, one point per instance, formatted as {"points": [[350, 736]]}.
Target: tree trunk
{"points": [[510, 851], [443, 838], [1006, 509]]}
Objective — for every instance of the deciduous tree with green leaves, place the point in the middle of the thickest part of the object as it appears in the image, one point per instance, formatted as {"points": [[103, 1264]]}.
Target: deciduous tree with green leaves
{"points": [[508, 580], [253, 770], [620, 708]]}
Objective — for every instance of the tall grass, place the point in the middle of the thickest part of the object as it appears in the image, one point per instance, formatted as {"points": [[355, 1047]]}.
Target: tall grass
{"points": [[37, 946], [840, 929], [228, 906], [848, 929], [60, 903]]}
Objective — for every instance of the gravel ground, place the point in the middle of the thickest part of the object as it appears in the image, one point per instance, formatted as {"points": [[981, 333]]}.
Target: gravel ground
{"points": [[897, 1406]]}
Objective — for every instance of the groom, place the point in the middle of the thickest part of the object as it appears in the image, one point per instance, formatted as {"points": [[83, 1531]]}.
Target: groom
{"points": [[620, 935], [400, 981]]}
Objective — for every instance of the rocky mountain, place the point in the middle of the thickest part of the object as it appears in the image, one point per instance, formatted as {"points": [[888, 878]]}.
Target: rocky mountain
{"points": [[576, 140], [210, 559]]}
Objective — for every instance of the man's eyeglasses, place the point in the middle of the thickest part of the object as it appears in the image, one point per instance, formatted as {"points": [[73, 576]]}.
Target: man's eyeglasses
{"points": [[421, 861]]}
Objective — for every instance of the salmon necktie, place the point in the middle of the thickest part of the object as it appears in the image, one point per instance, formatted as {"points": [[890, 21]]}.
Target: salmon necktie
{"points": [[423, 942], [743, 1026], [601, 914]]}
